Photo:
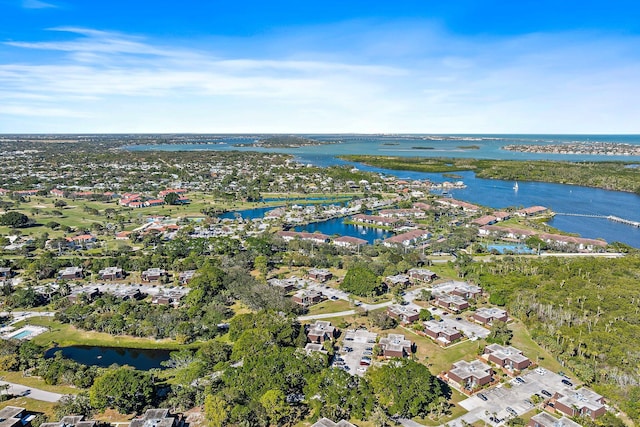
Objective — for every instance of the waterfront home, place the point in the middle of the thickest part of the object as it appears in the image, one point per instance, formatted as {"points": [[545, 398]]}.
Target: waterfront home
{"points": [[485, 220], [395, 345], [532, 211], [403, 313], [507, 357], [441, 333], [422, 275], [470, 375], [349, 242], [70, 273], [321, 331], [402, 213], [505, 232], [376, 220], [459, 204], [579, 403], [486, 315], [111, 273], [311, 237]]}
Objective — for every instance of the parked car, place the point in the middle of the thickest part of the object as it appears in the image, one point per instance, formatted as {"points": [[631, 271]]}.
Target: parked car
{"points": [[482, 396], [334, 298], [512, 411], [567, 382], [546, 393], [528, 402]]}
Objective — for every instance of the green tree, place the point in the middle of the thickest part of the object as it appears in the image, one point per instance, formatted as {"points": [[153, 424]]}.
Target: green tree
{"points": [[216, 410], [14, 219], [124, 389], [275, 405], [500, 333], [360, 280], [171, 199]]}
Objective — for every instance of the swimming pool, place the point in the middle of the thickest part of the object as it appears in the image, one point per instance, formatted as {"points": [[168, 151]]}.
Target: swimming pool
{"points": [[22, 335], [515, 248]]}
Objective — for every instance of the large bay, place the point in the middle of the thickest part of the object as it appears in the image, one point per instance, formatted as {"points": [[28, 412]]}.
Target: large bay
{"points": [[494, 193]]}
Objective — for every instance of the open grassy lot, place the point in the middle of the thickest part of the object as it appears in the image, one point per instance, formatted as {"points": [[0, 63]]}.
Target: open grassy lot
{"points": [[65, 335], [34, 406], [36, 382], [330, 307]]}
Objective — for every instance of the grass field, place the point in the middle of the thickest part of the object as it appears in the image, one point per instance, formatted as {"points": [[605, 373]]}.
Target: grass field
{"points": [[36, 382], [330, 307]]}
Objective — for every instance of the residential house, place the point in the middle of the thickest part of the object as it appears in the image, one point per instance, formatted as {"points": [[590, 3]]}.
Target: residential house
{"points": [[312, 347], [402, 213], [56, 192], [186, 276], [155, 418], [579, 403], [306, 298], [123, 235], [470, 375], [401, 280], [320, 275], [407, 239], [507, 357], [312, 237], [403, 313], [532, 211], [111, 273], [441, 333], [71, 421], [82, 241], [321, 331], [376, 220], [422, 275], [452, 303], [395, 345], [486, 315], [485, 220], [153, 274], [89, 293], [544, 419], [466, 290], [349, 242], [5, 273], [12, 416], [70, 273], [285, 284], [154, 202]]}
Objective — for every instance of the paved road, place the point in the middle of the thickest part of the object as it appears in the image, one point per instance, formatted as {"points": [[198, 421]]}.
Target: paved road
{"points": [[33, 393], [22, 315], [368, 307]]}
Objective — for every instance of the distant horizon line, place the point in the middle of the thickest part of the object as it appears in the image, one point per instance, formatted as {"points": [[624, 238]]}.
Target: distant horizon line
{"points": [[313, 133]]}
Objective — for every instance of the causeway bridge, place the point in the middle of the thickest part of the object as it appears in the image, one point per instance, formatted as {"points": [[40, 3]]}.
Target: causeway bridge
{"points": [[609, 217]]}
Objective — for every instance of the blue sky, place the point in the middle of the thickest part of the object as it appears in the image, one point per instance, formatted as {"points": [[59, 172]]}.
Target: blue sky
{"points": [[319, 66]]}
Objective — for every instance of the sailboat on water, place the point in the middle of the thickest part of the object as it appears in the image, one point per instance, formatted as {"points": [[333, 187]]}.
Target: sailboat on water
{"points": [[515, 186]]}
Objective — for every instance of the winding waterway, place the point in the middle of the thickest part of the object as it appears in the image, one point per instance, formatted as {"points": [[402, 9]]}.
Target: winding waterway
{"points": [[492, 193]]}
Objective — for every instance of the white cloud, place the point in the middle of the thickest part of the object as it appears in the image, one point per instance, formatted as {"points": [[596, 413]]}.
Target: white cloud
{"points": [[433, 82], [37, 4]]}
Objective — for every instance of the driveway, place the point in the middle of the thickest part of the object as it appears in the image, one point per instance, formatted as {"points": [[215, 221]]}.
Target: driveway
{"points": [[32, 393]]}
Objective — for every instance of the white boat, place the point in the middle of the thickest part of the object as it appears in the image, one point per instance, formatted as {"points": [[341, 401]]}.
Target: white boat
{"points": [[515, 186]]}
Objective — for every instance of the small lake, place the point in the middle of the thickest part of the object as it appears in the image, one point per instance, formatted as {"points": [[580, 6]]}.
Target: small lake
{"points": [[336, 226], [141, 359]]}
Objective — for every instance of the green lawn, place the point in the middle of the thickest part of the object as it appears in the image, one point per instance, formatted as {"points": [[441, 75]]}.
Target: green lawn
{"points": [[66, 335], [36, 382], [330, 307]]}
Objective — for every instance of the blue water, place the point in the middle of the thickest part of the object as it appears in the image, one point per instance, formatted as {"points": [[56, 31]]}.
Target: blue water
{"points": [[246, 213], [492, 193], [142, 359], [517, 249], [22, 335], [336, 226]]}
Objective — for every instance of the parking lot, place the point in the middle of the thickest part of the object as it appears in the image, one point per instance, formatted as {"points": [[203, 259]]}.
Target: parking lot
{"points": [[500, 397], [361, 343]]}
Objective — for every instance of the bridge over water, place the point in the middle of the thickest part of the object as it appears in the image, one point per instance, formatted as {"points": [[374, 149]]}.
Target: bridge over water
{"points": [[609, 217]]}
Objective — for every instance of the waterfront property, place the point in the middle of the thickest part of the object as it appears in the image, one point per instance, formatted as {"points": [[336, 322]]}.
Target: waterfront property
{"points": [[24, 333], [407, 239]]}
